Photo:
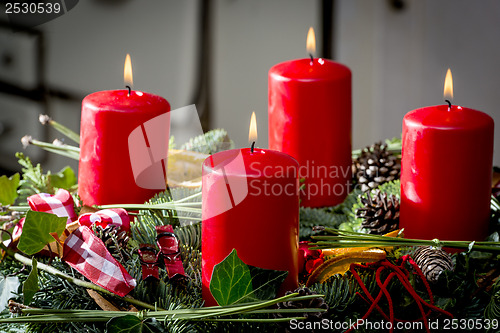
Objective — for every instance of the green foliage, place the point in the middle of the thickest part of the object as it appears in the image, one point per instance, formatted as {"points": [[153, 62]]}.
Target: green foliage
{"points": [[133, 324], [209, 143], [330, 217], [65, 179], [35, 181], [190, 235], [144, 229], [54, 293], [458, 291], [30, 286], [340, 294], [36, 231], [393, 187], [191, 259], [395, 141], [8, 189], [492, 310], [311, 217], [233, 281]]}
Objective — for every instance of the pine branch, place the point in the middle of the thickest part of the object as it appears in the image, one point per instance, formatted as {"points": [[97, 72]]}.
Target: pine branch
{"points": [[76, 281], [190, 314], [311, 217], [349, 239], [210, 143], [34, 181]]}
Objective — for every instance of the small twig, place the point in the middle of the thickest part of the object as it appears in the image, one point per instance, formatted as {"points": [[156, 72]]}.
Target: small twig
{"points": [[45, 119], [61, 149]]}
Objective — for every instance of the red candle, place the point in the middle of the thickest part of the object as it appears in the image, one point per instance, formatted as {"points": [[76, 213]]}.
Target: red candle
{"points": [[446, 173], [310, 119], [112, 155], [250, 203]]}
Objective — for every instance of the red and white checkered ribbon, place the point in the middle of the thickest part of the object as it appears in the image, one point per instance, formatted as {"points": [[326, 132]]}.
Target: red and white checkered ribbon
{"points": [[60, 204], [117, 216], [86, 253]]}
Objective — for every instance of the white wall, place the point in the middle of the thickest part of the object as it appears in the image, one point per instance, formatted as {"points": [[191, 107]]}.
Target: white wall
{"points": [[87, 47], [399, 60], [249, 38]]}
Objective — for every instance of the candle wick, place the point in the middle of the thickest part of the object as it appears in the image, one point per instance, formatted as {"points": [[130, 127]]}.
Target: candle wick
{"points": [[449, 103], [252, 147], [312, 59], [129, 90]]}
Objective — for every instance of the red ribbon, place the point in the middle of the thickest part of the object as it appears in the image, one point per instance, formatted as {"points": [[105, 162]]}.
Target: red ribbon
{"points": [[169, 248], [86, 253]]}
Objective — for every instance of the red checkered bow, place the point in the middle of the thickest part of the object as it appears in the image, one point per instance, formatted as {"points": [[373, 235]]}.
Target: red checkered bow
{"points": [[60, 204], [118, 217], [86, 253]]}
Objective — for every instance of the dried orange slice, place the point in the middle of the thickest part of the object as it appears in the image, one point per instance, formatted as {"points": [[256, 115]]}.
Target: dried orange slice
{"points": [[342, 250], [341, 263]]}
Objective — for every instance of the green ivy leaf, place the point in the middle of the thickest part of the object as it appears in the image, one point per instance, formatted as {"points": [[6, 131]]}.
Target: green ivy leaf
{"points": [[8, 189], [65, 179], [233, 281], [265, 283], [36, 231], [30, 286], [132, 324]]}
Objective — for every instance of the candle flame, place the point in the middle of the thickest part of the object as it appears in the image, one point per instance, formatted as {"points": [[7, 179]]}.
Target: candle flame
{"points": [[448, 85], [311, 41], [127, 72], [252, 135]]}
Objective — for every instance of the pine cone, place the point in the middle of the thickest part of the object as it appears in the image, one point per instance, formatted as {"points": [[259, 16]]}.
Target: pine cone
{"points": [[432, 261], [375, 166], [380, 213], [318, 302], [116, 241]]}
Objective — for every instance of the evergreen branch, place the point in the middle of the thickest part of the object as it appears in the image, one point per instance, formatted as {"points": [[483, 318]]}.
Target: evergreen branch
{"points": [[209, 143], [49, 269], [349, 239], [45, 119], [182, 207], [203, 314]]}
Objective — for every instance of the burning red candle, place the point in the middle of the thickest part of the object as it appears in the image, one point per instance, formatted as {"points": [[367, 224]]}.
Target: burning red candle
{"points": [[446, 172], [124, 143], [251, 204], [310, 119]]}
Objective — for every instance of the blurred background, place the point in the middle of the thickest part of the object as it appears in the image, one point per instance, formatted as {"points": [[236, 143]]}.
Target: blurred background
{"points": [[217, 53]]}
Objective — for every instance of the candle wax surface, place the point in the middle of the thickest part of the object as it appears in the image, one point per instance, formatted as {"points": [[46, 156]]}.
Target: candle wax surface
{"points": [[446, 173], [310, 119], [251, 204], [108, 118]]}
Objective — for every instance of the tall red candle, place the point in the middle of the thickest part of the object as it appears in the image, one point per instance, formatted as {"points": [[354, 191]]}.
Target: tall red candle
{"points": [[310, 119], [446, 172], [250, 203], [105, 169]]}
